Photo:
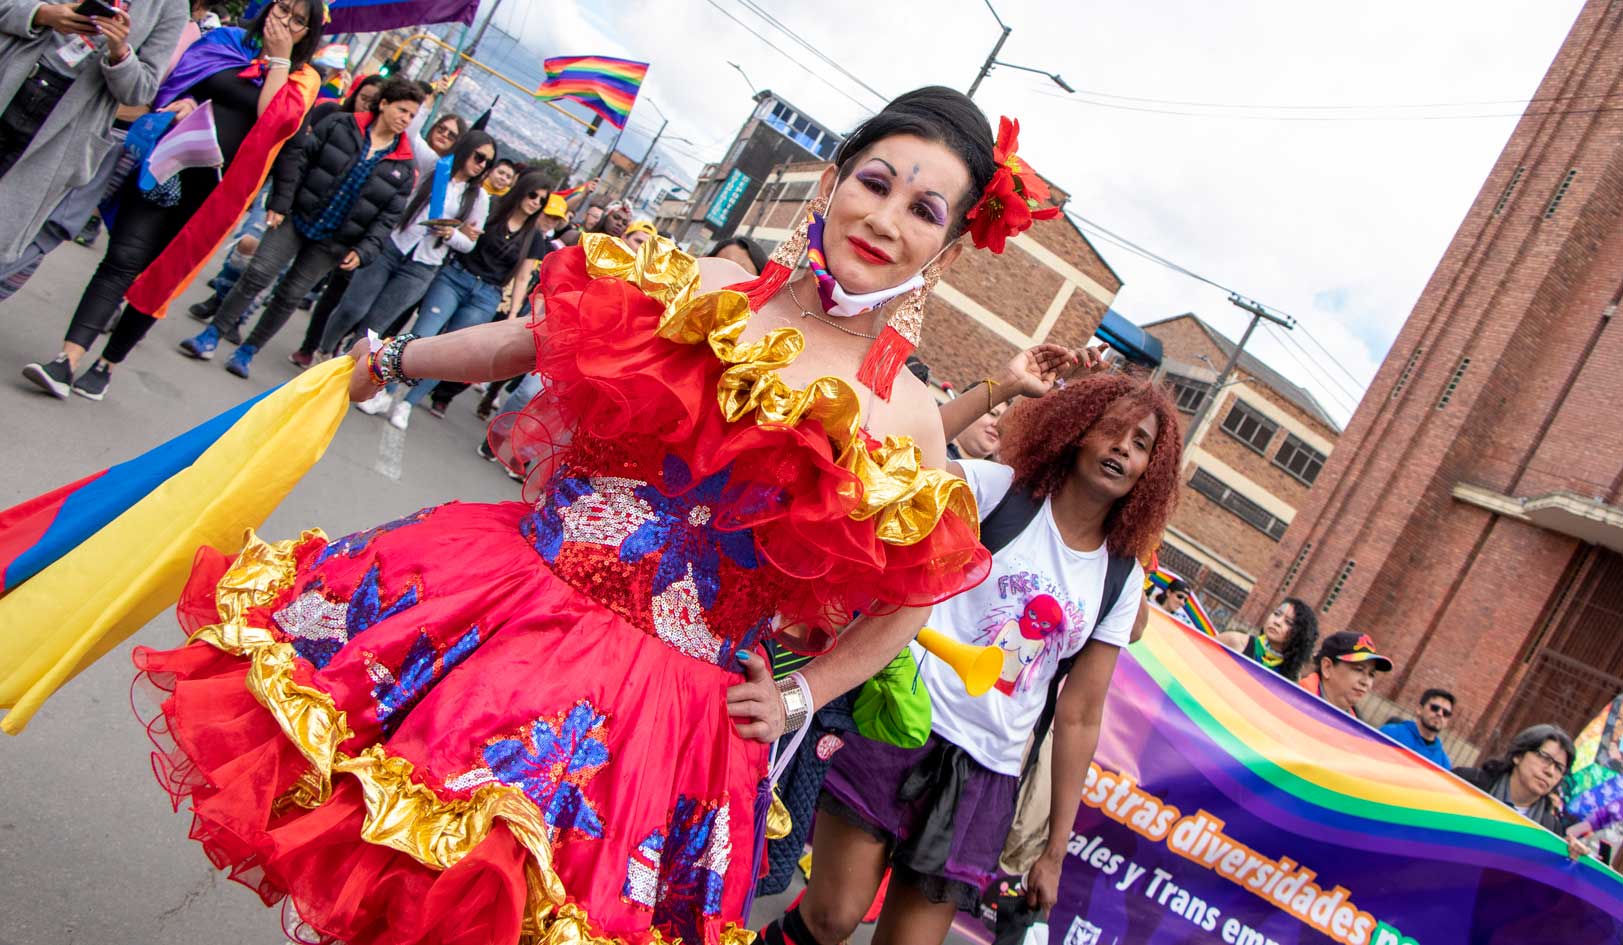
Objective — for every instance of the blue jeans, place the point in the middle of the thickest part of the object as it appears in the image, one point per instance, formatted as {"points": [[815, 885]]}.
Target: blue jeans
{"points": [[378, 294], [522, 394], [456, 299]]}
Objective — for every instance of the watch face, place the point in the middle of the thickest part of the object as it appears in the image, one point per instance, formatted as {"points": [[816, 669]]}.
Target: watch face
{"points": [[794, 701]]}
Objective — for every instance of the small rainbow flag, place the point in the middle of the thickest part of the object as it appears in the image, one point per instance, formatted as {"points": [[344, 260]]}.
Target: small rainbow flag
{"points": [[1194, 613], [603, 84]]}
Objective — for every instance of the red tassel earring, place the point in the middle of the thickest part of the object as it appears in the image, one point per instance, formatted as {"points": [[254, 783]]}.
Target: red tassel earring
{"points": [[785, 260], [900, 337]]}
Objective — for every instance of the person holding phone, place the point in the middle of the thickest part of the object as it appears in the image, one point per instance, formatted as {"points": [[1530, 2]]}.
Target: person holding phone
{"points": [[52, 141], [261, 85]]}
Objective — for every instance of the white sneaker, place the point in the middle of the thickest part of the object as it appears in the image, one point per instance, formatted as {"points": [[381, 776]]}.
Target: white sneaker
{"points": [[400, 415], [376, 404]]}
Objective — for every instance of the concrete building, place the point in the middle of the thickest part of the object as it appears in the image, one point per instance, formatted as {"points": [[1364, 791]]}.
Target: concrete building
{"points": [[1050, 284], [1247, 469], [775, 133], [1470, 520]]}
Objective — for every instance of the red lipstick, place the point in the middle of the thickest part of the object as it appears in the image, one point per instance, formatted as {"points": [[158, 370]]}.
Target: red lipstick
{"points": [[869, 253]]}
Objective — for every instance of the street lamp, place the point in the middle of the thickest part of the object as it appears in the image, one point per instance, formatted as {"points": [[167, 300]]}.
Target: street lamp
{"points": [[992, 59], [753, 89]]}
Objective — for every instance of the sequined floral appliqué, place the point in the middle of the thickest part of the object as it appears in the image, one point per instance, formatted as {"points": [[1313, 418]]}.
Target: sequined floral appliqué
{"points": [[351, 545], [320, 626], [398, 690], [678, 871], [551, 760]]}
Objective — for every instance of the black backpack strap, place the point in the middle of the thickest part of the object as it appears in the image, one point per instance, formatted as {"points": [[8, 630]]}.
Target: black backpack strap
{"points": [[1009, 518], [1117, 571]]}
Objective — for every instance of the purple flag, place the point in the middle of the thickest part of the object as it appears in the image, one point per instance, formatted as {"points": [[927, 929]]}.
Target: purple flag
{"points": [[371, 16]]}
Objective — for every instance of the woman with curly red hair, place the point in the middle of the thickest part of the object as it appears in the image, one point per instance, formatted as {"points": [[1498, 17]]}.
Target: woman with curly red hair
{"points": [[1088, 480]]}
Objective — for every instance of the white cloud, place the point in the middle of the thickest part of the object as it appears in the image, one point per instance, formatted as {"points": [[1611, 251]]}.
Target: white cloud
{"points": [[1337, 222]]}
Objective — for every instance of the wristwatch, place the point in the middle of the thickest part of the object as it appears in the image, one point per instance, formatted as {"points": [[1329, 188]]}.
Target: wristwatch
{"points": [[796, 697]]}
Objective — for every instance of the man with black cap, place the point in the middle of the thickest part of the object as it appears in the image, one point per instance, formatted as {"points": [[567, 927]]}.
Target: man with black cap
{"points": [[1347, 664]]}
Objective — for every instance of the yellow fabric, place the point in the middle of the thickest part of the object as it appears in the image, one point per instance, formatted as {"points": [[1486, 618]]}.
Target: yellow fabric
{"points": [[401, 812], [904, 498], [90, 600]]}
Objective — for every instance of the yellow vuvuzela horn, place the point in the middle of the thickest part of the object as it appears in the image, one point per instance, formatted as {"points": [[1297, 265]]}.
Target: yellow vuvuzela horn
{"points": [[977, 666]]}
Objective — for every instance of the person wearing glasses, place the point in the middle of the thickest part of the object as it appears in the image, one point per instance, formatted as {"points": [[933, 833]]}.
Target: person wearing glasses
{"points": [[335, 199], [1527, 778], [468, 289], [418, 247], [259, 85], [1423, 734]]}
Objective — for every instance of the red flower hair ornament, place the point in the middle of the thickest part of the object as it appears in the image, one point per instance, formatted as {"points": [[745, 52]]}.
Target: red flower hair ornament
{"points": [[1013, 200]]}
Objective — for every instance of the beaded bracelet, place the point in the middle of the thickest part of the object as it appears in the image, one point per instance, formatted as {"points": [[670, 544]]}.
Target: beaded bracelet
{"points": [[388, 361]]}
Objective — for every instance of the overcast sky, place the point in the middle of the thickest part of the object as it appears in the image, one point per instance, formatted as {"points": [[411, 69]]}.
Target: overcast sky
{"points": [[1337, 222]]}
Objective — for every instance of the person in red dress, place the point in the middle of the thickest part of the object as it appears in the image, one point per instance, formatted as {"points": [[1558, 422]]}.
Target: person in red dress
{"points": [[550, 720]]}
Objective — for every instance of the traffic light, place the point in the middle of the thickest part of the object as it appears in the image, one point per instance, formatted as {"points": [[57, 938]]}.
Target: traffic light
{"points": [[597, 122]]}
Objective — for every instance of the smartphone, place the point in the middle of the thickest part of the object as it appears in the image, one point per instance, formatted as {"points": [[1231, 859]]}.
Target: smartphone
{"points": [[96, 8]]}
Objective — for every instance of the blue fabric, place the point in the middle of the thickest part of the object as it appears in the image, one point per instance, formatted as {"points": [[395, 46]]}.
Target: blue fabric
{"points": [[436, 193], [1407, 734], [349, 189]]}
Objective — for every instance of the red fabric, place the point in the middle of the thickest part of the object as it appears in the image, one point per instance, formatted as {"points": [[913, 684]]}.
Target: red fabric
{"points": [[169, 275], [612, 381], [544, 648], [22, 525]]}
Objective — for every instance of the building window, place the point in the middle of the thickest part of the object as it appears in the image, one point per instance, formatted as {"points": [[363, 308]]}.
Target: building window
{"points": [[1249, 426], [1223, 598], [1290, 575], [1246, 510], [1182, 563], [1453, 383], [1299, 459], [1560, 193], [1408, 368], [1187, 391], [1510, 188], [1335, 589]]}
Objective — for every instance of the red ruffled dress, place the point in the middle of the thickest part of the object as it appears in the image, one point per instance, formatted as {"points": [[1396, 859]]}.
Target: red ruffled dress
{"points": [[507, 723]]}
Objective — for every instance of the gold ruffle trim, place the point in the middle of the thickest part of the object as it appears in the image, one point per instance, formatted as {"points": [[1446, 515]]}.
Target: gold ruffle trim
{"points": [[401, 813], [904, 498]]}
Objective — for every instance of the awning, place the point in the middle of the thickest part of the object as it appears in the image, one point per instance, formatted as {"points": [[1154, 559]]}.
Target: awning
{"points": [[1568, 513], [1134, 343]]}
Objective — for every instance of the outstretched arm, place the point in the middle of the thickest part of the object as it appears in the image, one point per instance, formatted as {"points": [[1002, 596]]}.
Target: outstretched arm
{"points": [[1030, 373], [489, 352]]}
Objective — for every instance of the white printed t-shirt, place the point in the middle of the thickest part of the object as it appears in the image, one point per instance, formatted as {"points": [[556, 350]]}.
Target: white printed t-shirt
{"points": [[1039, 604]]}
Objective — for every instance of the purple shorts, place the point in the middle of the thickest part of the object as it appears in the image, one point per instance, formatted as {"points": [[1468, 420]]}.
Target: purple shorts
{"points": [[944, 814]]}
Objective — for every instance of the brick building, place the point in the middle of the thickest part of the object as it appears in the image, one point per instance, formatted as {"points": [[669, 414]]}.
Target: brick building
{"points": [[1470, 519], [1248, 468], [1049, 284]]}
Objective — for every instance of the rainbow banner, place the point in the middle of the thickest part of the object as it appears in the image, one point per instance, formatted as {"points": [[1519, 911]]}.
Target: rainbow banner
{"points": [[1194, 613], [1226, 805], [1594, 788], [605, 85]]}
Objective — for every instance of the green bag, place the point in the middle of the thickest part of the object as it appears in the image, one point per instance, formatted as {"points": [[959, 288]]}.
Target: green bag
{"points": [[894, 707]]}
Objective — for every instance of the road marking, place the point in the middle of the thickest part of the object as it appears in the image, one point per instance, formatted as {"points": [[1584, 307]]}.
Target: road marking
{"points": [[391, 452]]}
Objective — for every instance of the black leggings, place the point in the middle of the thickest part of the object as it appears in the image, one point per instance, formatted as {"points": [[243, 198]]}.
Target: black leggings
{"points": [[140, 231]]}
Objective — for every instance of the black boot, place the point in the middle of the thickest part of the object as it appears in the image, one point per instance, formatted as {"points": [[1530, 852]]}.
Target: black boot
{"points": [[204, 311]]}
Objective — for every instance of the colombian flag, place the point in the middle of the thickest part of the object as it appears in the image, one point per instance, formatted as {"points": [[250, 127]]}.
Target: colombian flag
{"points": [[606, 85], [86, 565]]}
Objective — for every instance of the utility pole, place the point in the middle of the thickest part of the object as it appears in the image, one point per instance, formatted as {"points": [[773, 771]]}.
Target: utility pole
{"points": [[456, 60], [1258, 313], [764, 199], [991, 57], [636, 172]]}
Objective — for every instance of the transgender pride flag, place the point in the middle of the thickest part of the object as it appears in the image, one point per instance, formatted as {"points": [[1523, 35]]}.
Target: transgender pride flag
{"points": [[192, 142]]}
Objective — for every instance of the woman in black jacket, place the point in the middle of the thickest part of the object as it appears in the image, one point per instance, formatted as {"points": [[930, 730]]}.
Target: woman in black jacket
{"points": [[343, 189], [1527, 778]]}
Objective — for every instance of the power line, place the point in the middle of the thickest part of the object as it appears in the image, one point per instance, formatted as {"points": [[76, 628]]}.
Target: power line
{"points": [[1343, 105], [803, 67], [1152, 256], [1333, 387], [1079, 98], [773, 21]]}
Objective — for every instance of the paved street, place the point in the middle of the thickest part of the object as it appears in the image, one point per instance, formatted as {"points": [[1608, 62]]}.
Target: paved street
{"points": [[91, 853]]}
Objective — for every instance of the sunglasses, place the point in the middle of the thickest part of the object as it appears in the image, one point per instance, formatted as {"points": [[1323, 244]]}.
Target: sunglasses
{"points": [[535, 195], [479, 159], [1440, 709]]}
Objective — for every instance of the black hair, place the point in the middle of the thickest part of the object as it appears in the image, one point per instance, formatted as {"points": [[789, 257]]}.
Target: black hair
{"points": [[512, 202], [753, 249], [1529, 740], [934, 113], [465, 146], [508, 161], [1435, 693], [315, 12], [1303, 639], [918, 367], [354, 93], [400, 90]]}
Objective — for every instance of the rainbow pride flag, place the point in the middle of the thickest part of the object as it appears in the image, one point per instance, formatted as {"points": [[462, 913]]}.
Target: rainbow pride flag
{"points": [[88, 564], [1226, 804], [1195, 613], [603, 84]]}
